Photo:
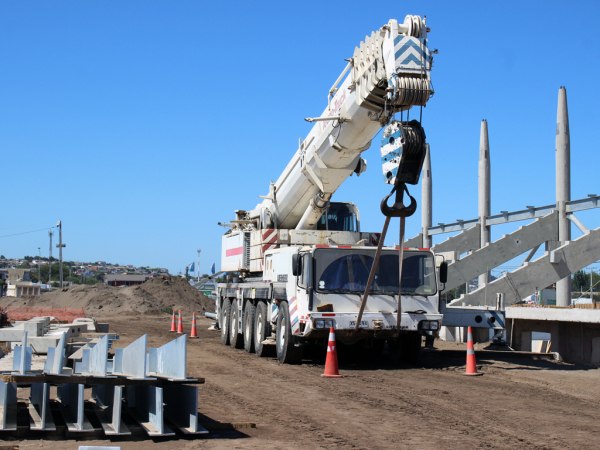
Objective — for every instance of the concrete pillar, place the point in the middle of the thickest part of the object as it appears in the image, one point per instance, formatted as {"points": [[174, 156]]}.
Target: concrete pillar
{"points": [[484, 193], [426, 199], [563, 188]]}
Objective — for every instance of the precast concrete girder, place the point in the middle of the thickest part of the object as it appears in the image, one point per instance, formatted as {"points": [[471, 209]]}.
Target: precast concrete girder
{"points": [[544, 271], [461, 243], [504, 249]]}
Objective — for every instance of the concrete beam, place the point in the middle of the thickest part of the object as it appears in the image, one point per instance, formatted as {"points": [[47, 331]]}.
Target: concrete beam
{"points": [[416, 242], [578, 315], [463, 242], [508, 247], [544, 271]]}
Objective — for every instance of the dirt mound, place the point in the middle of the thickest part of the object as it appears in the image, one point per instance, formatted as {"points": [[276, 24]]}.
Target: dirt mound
{"points": [[154, 295]]}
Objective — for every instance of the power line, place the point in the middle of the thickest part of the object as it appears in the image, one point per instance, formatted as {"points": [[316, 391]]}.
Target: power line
{"points": [[26, 232]]}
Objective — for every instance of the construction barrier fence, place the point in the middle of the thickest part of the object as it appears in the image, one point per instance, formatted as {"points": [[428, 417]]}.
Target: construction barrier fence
{"points": [[64, 315]]}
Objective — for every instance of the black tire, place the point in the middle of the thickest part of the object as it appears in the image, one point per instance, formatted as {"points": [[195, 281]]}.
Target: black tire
{"points": [[248, 326], [289, 351], [410, 344], [262, 330], [235, 338], [224, 322]]}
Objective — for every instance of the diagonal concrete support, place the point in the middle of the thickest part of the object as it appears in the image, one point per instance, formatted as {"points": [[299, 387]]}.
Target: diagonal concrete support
{"points": [[416, 242], [544, 271], [502, 250], [461, 243]]}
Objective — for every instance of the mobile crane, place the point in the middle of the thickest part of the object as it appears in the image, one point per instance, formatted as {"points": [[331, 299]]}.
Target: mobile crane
{"points": [[303, 261]]}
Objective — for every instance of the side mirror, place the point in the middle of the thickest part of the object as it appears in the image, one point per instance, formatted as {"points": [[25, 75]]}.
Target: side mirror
{"points": [[296, 264], [444, 272]]}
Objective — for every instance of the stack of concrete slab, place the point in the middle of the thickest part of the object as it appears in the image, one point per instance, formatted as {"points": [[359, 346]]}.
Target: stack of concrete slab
{"points": [[43, 335]]}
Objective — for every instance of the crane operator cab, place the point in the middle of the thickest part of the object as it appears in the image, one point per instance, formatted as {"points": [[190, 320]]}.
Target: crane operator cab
{"points": [[340, 217]]}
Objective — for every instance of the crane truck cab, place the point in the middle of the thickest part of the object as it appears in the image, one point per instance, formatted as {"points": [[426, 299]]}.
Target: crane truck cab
{"points": [[307, 290]]}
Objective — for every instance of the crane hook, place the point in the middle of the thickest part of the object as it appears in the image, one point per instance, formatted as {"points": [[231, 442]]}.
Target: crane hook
{"points": [[398, 209]]}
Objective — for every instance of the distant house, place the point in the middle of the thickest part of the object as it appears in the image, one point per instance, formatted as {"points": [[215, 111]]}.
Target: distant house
{"points": [[19, 283], [125, 279]]}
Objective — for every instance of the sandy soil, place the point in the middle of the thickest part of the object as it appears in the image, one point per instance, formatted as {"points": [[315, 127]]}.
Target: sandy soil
{"points": [[522, 404]]}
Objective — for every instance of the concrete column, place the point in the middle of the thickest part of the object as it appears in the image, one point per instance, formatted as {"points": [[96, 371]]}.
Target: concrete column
{"points": [[563, 188], [426, 199], [484, 193]]}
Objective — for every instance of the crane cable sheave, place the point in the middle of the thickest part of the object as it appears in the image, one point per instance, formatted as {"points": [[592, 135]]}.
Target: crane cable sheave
{"points": [[391, 68]]}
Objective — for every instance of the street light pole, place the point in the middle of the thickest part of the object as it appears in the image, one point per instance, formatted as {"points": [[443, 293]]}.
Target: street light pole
{"points": [[60, 246], [50, 233], [39, 272], [198, 267]]}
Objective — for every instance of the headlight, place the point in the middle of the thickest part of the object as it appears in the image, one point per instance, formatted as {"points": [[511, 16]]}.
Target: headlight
{"points": [[434, 325], [328, 323], [319, 324], [425, 325]]}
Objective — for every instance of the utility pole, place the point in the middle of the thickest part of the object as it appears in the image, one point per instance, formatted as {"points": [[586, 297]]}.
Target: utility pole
{"points": [[50, 233], [198, 267], [39, 272], [60, 246]]}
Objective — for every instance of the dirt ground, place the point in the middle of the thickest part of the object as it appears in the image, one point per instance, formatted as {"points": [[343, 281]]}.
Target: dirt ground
{"points": [[155, 295], [516, 404]]}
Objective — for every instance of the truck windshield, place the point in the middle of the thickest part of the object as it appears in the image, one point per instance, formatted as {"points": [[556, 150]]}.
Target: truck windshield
{"points": [[347, 271]]}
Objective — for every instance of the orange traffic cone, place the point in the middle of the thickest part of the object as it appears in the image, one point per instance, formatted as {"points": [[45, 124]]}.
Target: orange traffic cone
{"points": [[331, 363], [194, 334], [173, 326], [471, 363], [180, 325]]}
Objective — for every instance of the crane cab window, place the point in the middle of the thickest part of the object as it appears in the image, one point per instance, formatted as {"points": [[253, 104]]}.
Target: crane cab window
{"points": [[338, 217]]}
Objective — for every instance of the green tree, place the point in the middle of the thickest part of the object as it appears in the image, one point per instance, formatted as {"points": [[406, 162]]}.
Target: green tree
{"points": [[581, 281]]}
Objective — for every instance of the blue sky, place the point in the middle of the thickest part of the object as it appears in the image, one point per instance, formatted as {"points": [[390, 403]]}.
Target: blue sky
{"points": [[141, 125]]}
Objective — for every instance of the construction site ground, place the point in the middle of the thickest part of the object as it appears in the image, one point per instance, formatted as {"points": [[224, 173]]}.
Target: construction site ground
{"points": [[378, 404]]}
